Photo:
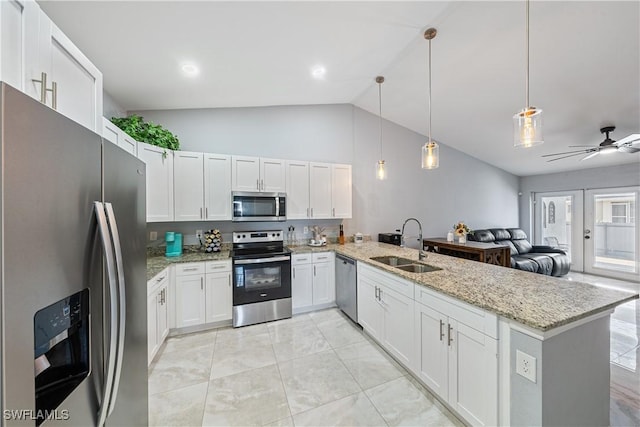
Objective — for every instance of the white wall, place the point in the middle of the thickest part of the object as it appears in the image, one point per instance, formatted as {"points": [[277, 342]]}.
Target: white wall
{"points": [[462, 189], [110, 108], [608, 177]]}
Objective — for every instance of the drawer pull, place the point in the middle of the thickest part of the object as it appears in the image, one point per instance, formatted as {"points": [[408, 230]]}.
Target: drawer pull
{"points": [[217, 267], [160, 279], [190, 269], [450, 335], [441, 330]]}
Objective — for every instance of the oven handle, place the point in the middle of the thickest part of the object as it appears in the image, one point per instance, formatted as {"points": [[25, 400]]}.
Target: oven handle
{"points": [[262, 260]]}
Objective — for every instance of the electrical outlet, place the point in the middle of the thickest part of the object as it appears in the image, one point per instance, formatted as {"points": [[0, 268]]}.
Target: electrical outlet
{"points": [[199, 234], [305, 230], [526, 365], [153, 235]]}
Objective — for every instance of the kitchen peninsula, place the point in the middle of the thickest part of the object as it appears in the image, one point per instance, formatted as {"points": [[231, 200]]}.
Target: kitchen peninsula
{"points": [[520, 348]]}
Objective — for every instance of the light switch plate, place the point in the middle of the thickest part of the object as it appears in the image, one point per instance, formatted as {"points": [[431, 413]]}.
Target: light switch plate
{"points": [[526, 365]]}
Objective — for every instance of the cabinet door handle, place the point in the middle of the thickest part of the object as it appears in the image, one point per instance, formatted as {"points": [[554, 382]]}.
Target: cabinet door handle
{"points": [[201, 213], [333, 212], [307, 212], [314, 270], [311, 212], [450, 335], [294, 272], [201, 283], [54, 92], [441, 330], [206, 213], [43, 86], [262, 184], [376, 293], [229, 280], [258, 184]]}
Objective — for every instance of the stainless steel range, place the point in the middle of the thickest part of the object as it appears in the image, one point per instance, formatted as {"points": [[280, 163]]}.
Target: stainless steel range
{"points": [[261, 277]]}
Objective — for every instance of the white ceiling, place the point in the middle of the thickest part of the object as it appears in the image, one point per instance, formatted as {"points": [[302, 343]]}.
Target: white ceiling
{"points": [[585, 64]]}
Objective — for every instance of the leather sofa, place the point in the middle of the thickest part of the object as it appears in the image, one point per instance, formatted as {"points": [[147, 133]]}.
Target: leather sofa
{"points": [[524, 256]]}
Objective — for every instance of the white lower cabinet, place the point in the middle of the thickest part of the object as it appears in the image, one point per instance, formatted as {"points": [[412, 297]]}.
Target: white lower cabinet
{"points": [[450, 346], [313, 281], [190, 294], [219, 291], [157, 313], [457, 361], [203, 293], [385, 311]]}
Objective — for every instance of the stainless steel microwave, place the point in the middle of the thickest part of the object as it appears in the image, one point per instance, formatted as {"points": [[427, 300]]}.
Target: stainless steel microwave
{"points": [[250, 206]]}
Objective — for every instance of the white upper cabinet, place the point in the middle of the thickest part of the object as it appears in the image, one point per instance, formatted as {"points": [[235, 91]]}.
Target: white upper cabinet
{"points": [[297, 189], [188, 185], [62, 77], [341, 189], [272, 175], [117, 136], [320, 190], [18, 39], [258, 174], [217, 187], [245, 173], [159, 182], [202, 186]]}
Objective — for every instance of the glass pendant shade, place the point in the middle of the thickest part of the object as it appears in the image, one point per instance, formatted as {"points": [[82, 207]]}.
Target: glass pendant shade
{"points": [[430, 155], [527, 128], [381, 171]]}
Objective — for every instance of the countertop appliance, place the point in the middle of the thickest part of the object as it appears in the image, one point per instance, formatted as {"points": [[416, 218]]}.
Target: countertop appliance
{"points": [[73, 280], [261, 277], [174, 243], [250, 206], [391, 238], [346, 286]]}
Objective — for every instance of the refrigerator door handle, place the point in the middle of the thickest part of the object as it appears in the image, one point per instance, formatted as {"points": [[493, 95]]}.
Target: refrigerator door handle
{"points": [[113, 309], [122, 303]]}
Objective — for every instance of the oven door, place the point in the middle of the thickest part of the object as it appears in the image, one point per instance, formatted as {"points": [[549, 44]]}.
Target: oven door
{"points": [[261, 279], [259, 206]]}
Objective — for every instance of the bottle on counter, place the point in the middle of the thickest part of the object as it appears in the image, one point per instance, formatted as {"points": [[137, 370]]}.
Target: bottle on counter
{"points": [[341, 237]]}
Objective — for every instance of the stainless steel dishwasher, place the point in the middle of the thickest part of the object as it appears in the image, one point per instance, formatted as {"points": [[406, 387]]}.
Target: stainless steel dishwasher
{"points": [[346, 286]]}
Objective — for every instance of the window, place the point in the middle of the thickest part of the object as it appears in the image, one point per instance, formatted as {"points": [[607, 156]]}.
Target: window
{"points": [[620, 213]]}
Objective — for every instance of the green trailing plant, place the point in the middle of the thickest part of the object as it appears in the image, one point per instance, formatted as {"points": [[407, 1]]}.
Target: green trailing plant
{"points": [[148, 132]]}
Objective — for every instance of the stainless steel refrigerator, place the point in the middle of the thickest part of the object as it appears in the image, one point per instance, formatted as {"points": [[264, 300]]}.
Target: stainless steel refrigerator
{"points": [[73, 321]]}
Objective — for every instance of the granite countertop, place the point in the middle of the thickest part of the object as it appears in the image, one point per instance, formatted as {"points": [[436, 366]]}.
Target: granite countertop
{"points": [[538, 301], [535, 300], [158, 262]]}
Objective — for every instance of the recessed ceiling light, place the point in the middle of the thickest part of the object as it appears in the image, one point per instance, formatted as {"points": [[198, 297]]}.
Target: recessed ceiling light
{"points": [[190, 69], [318, 72]]}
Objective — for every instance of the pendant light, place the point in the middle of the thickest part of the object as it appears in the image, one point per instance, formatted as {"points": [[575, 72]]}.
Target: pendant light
{"points": [[430, 150], [527, 124], [381, 172]]}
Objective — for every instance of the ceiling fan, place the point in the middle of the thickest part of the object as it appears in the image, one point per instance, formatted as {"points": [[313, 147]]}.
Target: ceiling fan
{"points": [[630, 144]]}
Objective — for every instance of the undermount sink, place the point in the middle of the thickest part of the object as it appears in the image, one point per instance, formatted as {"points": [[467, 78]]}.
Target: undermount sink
{"points": [[418, 268], [405, 264], [393, 261]]}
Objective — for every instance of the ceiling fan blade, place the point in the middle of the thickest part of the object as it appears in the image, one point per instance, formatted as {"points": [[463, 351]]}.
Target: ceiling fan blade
{"points": [[566, 152], [595, 153], [633, 139], [628, 149], [564, 157]]}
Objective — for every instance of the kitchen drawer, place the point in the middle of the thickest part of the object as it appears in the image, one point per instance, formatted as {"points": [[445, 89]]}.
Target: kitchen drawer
{"points": [[392, 281], [322, 257], [158, 280], [217, 266], [189, 268], [298, 259]]}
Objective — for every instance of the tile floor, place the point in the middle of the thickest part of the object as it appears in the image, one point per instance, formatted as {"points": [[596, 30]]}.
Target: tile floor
{"points": [[314, 369], [320, 369]]}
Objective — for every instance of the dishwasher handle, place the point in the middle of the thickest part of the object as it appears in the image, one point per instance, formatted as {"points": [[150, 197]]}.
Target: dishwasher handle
{"points": [[345, 259]]}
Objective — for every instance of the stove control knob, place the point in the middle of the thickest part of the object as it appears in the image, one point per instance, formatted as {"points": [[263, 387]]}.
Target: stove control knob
{"points": [[244, 236]]}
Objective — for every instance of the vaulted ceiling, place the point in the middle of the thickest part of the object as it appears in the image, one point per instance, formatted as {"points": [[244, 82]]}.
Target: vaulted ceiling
{"points": [[585, 64]]}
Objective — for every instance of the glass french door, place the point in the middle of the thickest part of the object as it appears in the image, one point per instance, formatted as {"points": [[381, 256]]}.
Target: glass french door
{"points": [[558, 222], [612, 232]]}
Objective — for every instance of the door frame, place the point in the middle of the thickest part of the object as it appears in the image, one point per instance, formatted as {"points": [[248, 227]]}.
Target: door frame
{"points": [[577, 223], [589, 225]]}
